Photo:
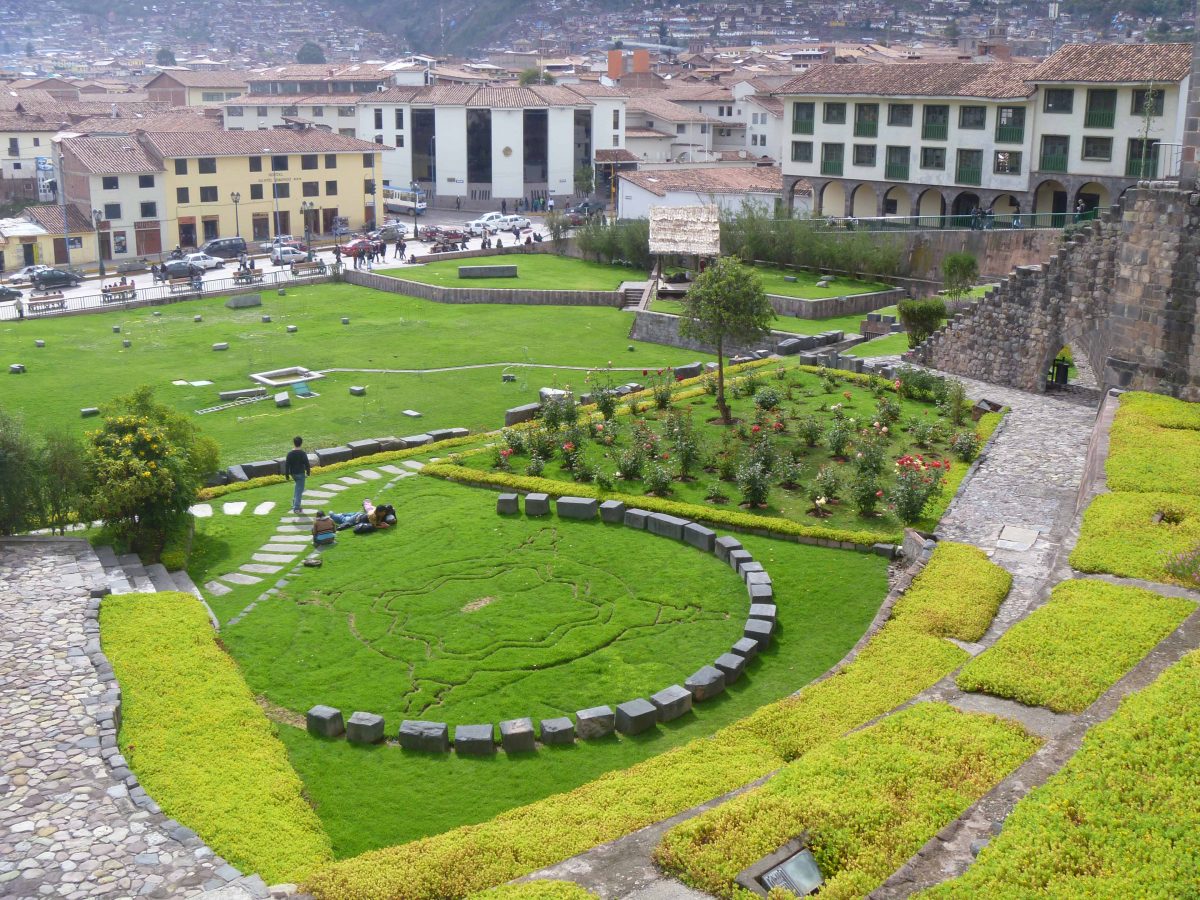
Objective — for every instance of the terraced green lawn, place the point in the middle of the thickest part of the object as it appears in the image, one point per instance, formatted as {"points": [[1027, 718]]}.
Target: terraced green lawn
{"points": [[83, 363], [535, 272], [790, 324]]}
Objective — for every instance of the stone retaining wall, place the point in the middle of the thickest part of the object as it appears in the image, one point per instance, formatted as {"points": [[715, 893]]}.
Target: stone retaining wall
{"points": [[438, 294], [663, 328], [829, 307]]}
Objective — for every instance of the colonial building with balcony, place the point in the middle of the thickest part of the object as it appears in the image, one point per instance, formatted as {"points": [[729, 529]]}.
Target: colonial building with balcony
{"points": [[936, 139]]}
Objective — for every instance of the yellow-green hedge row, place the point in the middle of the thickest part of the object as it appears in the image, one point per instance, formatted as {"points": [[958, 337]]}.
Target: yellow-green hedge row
{"points": [[739, 520], [1120, 537], [867, 801], [1121, 818], [898, 663], [200, 745], [1070, 651], [965, 610], [1154, 445], [537, 890]]}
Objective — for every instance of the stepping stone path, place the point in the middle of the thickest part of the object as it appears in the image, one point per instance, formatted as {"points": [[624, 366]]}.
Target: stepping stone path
{"points": [[201, 510], [348, 480], [234, 509], [263, 508]]}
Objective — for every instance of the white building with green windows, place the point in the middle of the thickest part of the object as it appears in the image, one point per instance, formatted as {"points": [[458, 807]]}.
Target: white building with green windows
{"points": [[936, 139]]}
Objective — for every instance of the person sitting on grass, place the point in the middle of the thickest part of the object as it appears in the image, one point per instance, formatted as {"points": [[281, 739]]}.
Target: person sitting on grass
{"points": [[324, 529]]}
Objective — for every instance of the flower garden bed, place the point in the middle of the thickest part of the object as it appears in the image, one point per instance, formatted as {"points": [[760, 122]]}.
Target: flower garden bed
{"points": [[1070, 651]]}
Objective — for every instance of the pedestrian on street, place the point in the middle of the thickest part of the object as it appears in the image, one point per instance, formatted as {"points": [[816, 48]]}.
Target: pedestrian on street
{"points": [[337, 254], [296, 467], [550, 205], [504, 207], [458, 202]]}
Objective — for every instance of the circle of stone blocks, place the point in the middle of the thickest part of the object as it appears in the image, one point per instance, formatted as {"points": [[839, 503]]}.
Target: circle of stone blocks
{"points": [[765, 611], [672, 702], [88, 411], [516, 736], [737, 557], [636, 716], [596, 722], [324, 721], [16, 369], [699, 537], [345, 320], [558, 731], [39, 343], [428, 737], [577, 507], [705, 682], [746, 648], [537, 504], [758, 630], [732, 665], [612, 511], [746, 568], [221, 346], [127, 343], [508, 504], [666, 526], [364, 728], [475, 740], [358, 390], [116, 329], [636, 518], [292, 329], [197, 318], [725, 545]]}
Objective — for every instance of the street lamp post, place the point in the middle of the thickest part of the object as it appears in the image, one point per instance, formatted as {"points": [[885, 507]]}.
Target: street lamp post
{"points": [[306, 207], [415, 189], [98, 217], [432, 170], [236, 197], [62, 198]]}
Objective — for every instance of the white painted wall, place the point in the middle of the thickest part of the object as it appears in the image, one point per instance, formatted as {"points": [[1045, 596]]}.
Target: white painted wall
{"points": [[560, 152], [634, 202], [508, 153], [130, 196], [450, 126]]}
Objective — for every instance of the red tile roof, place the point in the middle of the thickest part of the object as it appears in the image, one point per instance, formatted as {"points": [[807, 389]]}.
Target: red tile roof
{"points": [[719, 180], [1116, 63], [51, 218], [617, 155], [218, 78], [988, 81], [110, 156], [173, 145]]}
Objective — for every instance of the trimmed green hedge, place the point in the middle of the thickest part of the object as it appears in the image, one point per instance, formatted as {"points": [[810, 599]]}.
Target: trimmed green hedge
{"points": [[1070, 651], [1119, 820], [1120, 537], [1154, 445], [898, 663], [536, 890], [976, 592], [867, 801], [198, 742]]}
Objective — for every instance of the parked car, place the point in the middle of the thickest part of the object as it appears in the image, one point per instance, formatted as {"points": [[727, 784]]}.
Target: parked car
{"points": [[587, 208], [439, 234], [181, 268], [508, 223], [225, 248], [359, 245], [283, 240], [484, 224], [204, 261], [55, 278], [25, 275], [391, 231], [8, 293], [133, 265], [286, 255]]}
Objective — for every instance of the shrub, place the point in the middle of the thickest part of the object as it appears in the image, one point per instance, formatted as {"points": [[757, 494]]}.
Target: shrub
{"points": [[1067, 653], [921, 318], [631, 462], [826, 483], [959, 271], [871, 455], [837, 436], [199, 743], [657, 479], [767, 398], [887, 410], [865, 492], [516, 440], [18, 497], [754, 483], [810, 430], [543, 443], [1117, 820], [535, 466], [965, 445], [917, 482], [500, 457], [919, 384], [956, 402]]}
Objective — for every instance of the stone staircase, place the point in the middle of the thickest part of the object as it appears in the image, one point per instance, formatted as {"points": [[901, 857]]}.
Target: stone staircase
{"points": [[632, 291], [127, 574]]}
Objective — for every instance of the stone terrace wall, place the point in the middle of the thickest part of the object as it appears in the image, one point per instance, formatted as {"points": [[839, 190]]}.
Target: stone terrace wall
{"points": [[661, 328], [828, 307], [1122, 291], [482, 295]]}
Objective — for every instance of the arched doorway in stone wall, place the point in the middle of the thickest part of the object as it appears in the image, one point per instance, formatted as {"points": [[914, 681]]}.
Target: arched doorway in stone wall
{"points": [[864, 202], [832, 201], [897, 201], [1006, 209], [1093, 195], [963, 207], [931, 205], [1050, 204], [1067, 364]]}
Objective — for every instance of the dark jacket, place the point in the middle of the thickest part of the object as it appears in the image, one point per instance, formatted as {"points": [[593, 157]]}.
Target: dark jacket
{"points": [[296, 463]]}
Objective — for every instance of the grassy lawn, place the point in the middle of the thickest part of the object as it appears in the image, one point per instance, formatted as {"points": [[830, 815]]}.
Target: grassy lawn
{"points": [[583, 614], [789, 324], [888, 345], [535, 272], [83, 363]]}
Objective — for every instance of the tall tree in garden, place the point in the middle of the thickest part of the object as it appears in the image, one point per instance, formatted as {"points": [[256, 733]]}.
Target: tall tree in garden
{"points": [[726, 304], [310, 53], [165, 56]]}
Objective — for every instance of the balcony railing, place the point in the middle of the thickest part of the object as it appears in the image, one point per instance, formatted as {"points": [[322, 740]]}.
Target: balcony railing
{"points": [[831, 167], [1054, 162], [896, 171], [969, 175], [866, 129], [1139, 167], [802, 126], [1100, 118], [934, 132], [1010, 134]]}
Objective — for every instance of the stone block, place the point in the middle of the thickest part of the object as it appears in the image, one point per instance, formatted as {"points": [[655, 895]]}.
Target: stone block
{"points": [[760, 592], [292, 329], [237, 473], [537, 504], [558, 731], [518, 414], [747, 569], [223, 345], [116, 329], [244, 301], [411, 413], [88, 411], [765, 611], [759, 577], [691, 370], [630, 387], [364, 728], [358, 390], [365, 447], [283, 399], [127, 343], [266, 319], [700, 537], [329, 455], [758, 630], [390, 443], [507, 377], [731, 665], [636, 518], [260, 468], [197, 318], [240, 393], [745, 647], [429, 737], [705, 682], [417, 440], [487, 271], [39, 344], [636, 716], [577, 507], [596, 722], [666, 526], [788, 347], [324, 721], [672, 702], [474, 740], [516, 736], [508, 504], [737, 557], [345, 320], [612, 511], [887, 551], [548, 393], [445, 434], [725, 545]]}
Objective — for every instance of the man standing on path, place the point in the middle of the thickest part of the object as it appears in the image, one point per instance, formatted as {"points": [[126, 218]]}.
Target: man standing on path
{"points": [[295, 467]]}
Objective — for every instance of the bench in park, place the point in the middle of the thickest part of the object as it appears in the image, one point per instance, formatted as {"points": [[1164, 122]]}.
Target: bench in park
{"points": [[248, 276], [117, 294], [43, 303], [487, 271], [179, 285], [301, 269]]}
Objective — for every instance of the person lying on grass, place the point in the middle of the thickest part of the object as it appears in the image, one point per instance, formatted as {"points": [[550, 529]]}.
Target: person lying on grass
{"points": [[380, 516]]}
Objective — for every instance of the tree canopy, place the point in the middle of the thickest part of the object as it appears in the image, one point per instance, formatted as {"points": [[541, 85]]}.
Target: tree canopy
{"points": [[534, 75], [310, 53], [165, 56]]}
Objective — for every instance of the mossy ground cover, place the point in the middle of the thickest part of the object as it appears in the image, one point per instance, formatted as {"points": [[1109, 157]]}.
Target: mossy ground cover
{"points": [[1119, 820], [1154, 445], [867, 802], [1070, 651], [898, 662], [198, 742], [84, 364], [535, 272]]}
